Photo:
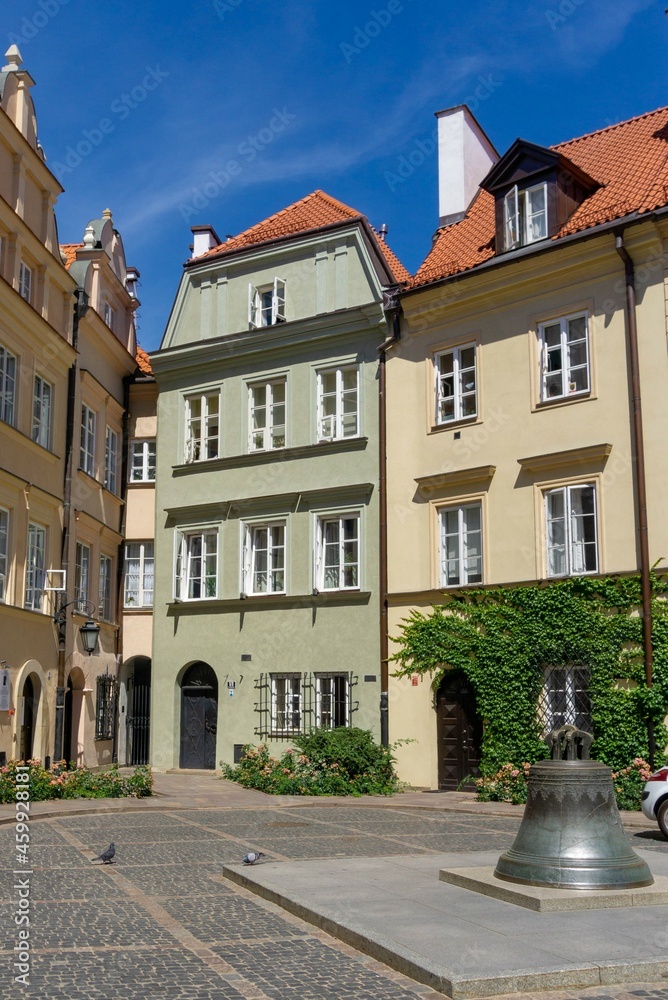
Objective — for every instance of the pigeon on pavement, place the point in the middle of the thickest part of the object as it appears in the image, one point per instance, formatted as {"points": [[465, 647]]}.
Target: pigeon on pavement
{"points": [[252, 857], [107, 855]]}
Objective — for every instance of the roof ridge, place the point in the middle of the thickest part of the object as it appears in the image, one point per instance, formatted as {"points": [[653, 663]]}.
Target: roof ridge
{"points": [[608, 128]]}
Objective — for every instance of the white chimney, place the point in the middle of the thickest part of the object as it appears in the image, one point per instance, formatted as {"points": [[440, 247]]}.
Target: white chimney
{"points": [[204, 238], [465, 156]]}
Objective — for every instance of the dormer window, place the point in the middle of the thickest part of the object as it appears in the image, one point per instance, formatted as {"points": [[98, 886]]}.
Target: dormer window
{"points": [[266, 304], [536, 191], [524, 216]]}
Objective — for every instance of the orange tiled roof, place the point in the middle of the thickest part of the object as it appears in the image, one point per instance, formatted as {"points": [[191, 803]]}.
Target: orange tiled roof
{"points": [[143, 361], [630, 162], [310, 213], [69, 252]]}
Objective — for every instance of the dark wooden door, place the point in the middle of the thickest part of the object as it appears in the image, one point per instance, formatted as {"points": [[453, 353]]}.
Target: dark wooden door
{"points": [[139, 713], [199, 714], [27, 726], [459, 732]]}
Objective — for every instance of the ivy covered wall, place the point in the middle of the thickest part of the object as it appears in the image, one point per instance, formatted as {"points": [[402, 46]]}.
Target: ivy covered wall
{"points": [[504, 638]]}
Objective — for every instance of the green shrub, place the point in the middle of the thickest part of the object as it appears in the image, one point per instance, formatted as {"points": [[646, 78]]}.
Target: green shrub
{"points": [[339, 761], [629, 783], [63, 782], [509, 784]]}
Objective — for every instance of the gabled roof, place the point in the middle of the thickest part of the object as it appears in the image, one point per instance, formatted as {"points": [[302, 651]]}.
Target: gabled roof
{"points": [[143, 361], [307, 215], [630, 163], [69, 253]]}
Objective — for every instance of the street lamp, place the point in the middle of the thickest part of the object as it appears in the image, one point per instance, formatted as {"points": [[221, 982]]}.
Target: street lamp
{"points": [[89, 631]]}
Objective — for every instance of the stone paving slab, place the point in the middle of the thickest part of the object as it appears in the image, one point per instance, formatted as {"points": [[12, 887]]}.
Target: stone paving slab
{"points": [[458, 942]]}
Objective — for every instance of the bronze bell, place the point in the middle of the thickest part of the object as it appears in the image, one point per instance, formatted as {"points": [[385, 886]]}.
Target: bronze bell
{"points": [[571, 836]]}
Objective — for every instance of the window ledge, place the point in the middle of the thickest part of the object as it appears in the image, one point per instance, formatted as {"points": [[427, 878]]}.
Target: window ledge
{"points": [[134, 609], [254, 602], [271, 455], [574, 456], [572, 397], [455, 424]]}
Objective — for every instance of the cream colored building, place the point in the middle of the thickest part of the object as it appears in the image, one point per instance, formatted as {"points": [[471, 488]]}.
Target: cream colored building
{"points": [[67, 347], [511, 455]]}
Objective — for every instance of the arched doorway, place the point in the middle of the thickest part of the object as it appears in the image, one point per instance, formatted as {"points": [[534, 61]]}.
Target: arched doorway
{"points": [[199, 717], [138, 718], [459, 731], [29, 707], [67, 722]]}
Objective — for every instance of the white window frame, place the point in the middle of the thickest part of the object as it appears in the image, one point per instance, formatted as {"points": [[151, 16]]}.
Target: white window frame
{"points": [[8, 366], [35, 567], [329, 680], [144, 559], [88, 435], [322, 548], [275, 554], [568, 386], [462, 535], [286, 703], [25, 281], [42, 401], [4, 553], [104, 606], [109, 316], [457, 376], [186, 560], [82, 578], [266, 304], [268, 432], [575, 546], [145, 450], [111, 460], [331, 427], [198, 445], [518, 216]]}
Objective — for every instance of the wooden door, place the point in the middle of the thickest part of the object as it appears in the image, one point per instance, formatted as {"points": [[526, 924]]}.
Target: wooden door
{"points": [[459, 732], [198, 728]]}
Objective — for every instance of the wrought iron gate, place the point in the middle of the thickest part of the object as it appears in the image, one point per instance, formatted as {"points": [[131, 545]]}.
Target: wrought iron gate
{"points": [[139, 713]]}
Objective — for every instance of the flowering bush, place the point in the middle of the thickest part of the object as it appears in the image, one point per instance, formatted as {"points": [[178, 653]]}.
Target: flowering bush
{"points": [[63, 782], [509, 784], [629, 783], [325, 762]]}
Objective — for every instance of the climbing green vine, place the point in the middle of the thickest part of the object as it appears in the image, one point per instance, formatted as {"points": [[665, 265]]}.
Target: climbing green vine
{"points": [[503, 639]]}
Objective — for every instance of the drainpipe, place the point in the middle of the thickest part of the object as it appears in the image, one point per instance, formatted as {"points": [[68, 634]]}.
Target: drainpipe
{"points": [[391, 308], [640, 483]]}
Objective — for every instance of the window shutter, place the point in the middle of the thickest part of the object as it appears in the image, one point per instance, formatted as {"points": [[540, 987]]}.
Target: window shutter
{"points": [[278, 302], [180, 564], [253, 306]]}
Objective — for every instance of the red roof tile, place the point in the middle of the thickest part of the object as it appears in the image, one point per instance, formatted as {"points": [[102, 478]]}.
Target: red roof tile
{"points": [[69, 252], [630, 162], [310, 213], [143, 361]]}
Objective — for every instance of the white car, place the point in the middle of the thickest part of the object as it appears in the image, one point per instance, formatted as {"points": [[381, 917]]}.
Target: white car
{"points": [[655, 799]]}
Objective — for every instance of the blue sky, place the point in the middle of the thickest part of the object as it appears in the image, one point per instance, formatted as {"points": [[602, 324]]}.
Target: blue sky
{"points": [[225, 111]]}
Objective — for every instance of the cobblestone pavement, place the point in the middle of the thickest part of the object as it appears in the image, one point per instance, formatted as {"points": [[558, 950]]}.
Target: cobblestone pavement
{"points": [[162, 922]]}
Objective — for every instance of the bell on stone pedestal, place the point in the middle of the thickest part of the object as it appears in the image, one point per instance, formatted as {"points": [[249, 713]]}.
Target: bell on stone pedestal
{"points": [[571, 836]]}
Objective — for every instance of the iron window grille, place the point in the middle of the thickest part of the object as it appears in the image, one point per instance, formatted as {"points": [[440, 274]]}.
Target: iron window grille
{"points": [[104, 707], [291, 703], [564, 699]]}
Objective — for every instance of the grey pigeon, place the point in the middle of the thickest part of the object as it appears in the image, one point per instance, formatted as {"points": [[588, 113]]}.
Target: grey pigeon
{"points": [[252, 857], [107, 855]]}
